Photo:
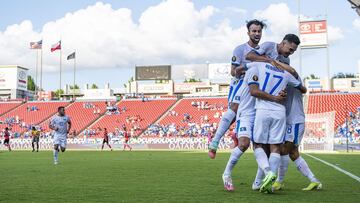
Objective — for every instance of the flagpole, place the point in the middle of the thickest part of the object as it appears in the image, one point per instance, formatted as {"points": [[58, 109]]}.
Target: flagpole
{"points": [[36, 74], [74, 75], [60, 72], [41, 66]]}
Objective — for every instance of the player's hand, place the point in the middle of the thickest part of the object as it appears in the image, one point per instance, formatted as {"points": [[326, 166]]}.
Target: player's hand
{"points": [[240, 70], [281, 97]]}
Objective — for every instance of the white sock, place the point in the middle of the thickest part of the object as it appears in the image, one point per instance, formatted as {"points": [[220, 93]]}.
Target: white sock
{"points": [[274, 162], [234, 157], [304, 169], [283, 167], [56, 154], [224, 124], [262, 160], [259, 175]]}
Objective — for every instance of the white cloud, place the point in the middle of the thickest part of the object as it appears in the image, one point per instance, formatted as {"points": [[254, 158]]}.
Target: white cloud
{"points": [[173, 31], [356, 24], [235, 10], [281, 21], [335, 34]]}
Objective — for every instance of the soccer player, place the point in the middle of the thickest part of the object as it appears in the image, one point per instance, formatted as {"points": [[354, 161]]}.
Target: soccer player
{"points": [[106, 140], [7, 138], [237, 69], [295, 116], [295, 121], [127, 138], [270, 119], [245, 121], [61, 125], [35, 139]]}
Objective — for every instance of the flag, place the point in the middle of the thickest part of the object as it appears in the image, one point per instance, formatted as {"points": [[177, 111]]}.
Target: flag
{"points": [[36, 45], [56, 46], [71, 56]]}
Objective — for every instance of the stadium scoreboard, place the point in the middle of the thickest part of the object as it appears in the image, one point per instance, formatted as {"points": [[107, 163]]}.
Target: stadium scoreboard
{"points": [[158, 72]]}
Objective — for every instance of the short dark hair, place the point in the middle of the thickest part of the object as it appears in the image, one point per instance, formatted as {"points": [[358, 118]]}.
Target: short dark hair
{"points": [[60, 107], [255, 22], [292, 38], [6, 128]]}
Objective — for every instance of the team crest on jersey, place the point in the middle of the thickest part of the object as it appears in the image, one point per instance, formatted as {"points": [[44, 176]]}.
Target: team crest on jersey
{"points": [[233, 59], [255, 78]]}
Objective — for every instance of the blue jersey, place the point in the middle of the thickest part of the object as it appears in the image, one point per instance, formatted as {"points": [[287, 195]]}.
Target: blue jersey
{"points": [[271, 80]]}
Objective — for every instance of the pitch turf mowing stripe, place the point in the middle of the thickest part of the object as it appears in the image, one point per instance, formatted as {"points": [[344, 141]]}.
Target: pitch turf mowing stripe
{"points": [[336, 167]]}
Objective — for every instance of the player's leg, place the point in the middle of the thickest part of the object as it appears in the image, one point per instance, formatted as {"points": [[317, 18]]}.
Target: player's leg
{"points": [[260, 173], [37, 145], [7, 144], [225, 123], [305, 170], [290, 134], [109, 145], [276, 136], [244, 130], [63, 143], [56, 151], [227, 119], [300, 163], [102, 146], [32, 145]]}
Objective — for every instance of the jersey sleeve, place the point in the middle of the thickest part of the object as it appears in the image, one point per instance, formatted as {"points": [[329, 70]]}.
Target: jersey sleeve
{"points": [[292, 81], [252, 74], [236, 58], [265, 48]]}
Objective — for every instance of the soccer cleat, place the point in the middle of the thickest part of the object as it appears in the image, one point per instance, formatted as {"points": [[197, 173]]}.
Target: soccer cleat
{"points": [[228, 183], [267, 182], [212, 149], [312, 186], [256, 185], [278, 185], [56, 162]]}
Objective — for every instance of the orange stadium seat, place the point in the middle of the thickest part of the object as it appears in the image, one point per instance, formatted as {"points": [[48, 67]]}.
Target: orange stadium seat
{"points": [[341, 103]]}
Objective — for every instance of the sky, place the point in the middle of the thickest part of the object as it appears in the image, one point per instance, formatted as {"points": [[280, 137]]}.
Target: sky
{"points": [[111, 37]]}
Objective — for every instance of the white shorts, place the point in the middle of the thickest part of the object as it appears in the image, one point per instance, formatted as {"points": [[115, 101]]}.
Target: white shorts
{"points": [[269, 127], [60, 141], [295, 133], [245, 126]]}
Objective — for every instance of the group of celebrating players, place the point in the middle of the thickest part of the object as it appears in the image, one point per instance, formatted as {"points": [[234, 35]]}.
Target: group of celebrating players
{"points": [[265, 101]]}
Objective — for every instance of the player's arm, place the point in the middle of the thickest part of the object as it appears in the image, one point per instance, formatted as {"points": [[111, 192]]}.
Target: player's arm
{"points": [[297, 84], [255, 56], [285, 67], [256, 92], [52, 126], [69, 125]]}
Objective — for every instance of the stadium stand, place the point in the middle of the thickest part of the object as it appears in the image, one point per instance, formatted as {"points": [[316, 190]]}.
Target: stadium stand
{"points": [[196, 109], [30, 113], [82, 114], [134, 114], [341, 103], [8, 106]]}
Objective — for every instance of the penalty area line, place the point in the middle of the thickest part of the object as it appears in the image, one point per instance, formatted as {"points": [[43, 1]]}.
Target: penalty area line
{"points": [[336, 168]]}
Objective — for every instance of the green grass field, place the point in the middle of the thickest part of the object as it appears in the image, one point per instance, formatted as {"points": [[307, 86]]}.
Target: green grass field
{"points": [[161, 176]]}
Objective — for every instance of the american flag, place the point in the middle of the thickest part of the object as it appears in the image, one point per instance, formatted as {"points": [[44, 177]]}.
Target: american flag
{"points": [[36, 45]]}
